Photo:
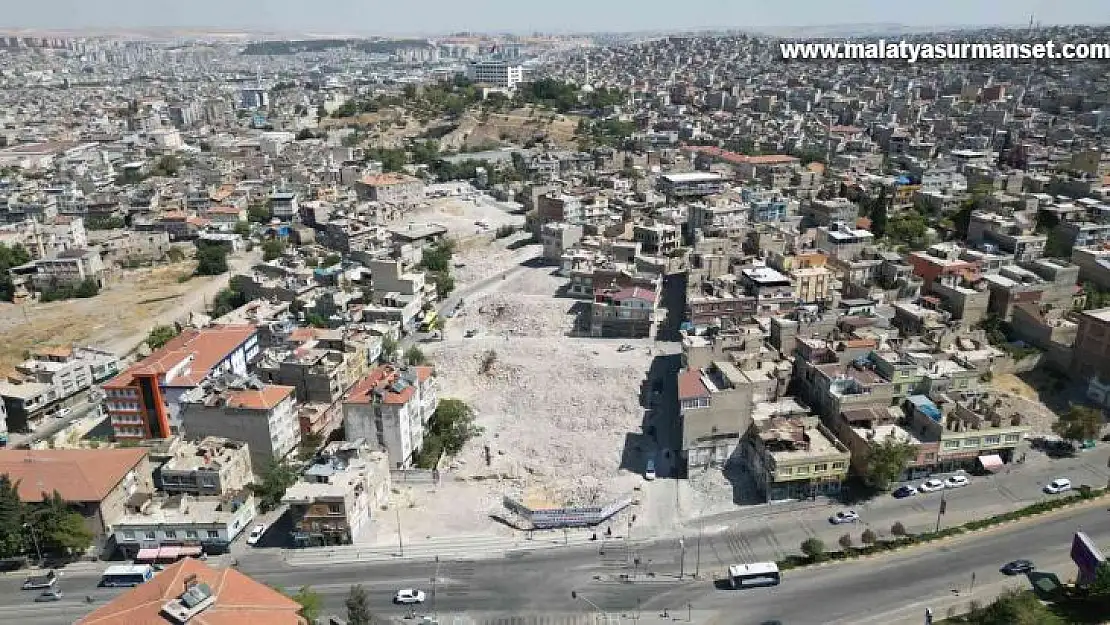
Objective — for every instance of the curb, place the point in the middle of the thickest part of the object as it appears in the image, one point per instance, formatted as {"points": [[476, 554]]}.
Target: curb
{"points": [[963, 533]]}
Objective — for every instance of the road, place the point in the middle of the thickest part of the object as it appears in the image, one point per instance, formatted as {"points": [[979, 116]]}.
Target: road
{"points": [[890, 589], [54, 425]]}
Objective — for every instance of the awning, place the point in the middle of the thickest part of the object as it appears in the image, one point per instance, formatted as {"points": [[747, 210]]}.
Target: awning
{"points": [[147, 554], [191, 551], [992, 463], [169, 553]]}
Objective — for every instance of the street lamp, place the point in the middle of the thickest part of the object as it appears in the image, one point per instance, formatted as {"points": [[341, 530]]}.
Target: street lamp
{"points": [[34, 539], [574, 595], [682, 558]]}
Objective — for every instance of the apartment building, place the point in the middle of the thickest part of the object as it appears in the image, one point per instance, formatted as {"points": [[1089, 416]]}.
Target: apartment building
{"points": [[1092, 344], [690, 185], [969, 432], [795, 457], [390, 409], [392, 189], [183, 525], [263, 416], [339, 494], [69, 268], [843, 241], [284, 205], [830, 211], [144, 401], [97, 483], [657, 238], [212, 466], [715, 404], [558, 238], [861, 428], [499, 74]]}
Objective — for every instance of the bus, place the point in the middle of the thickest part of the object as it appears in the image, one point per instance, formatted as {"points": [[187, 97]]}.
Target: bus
{"points": [[755, 574], [429, 321], [126, 575]]}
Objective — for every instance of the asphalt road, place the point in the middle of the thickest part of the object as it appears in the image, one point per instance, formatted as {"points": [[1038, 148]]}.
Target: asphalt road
{"points": [[52, 426], [889, 589]]}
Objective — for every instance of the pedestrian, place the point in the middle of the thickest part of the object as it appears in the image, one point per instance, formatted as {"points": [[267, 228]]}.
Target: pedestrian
{"points": [[608, 531]]}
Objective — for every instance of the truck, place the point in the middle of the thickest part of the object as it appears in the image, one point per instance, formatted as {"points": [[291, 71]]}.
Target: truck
{"points": [[40, 582]]}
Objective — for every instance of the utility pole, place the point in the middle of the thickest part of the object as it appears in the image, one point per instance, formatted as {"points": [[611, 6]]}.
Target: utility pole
{"points": [[400, 536], [972, 589], [697, 557], [941, 509], [435, 579], [35, 540], [682, 558]]}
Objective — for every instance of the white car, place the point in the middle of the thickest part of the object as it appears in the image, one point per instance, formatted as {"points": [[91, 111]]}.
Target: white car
{"points": [[931, 485], [256, 534], [844, 516], [409, 596], [1057, 486], [956, 481]]}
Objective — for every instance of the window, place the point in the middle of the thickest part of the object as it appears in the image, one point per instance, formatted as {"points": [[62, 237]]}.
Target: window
{"points": [[334, 508], [149, 535], [838, 465], [190, 534], [129, 535], [213, 534], [992, 440], [824, 466], [803, 470], [171, 534], [951, 444], [1012, 438], [785, 471], [971, 442], [929, 457]]}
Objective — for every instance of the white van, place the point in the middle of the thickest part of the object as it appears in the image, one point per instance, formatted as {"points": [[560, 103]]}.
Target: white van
{"points": [[1058, 485]]}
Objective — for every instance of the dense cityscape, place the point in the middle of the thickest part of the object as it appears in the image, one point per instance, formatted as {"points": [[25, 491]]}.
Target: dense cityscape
{"points": [[552, 329]]}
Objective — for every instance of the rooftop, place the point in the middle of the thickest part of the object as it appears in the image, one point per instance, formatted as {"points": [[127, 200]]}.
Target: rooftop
{"points": [[206, 348], [77, 474]]}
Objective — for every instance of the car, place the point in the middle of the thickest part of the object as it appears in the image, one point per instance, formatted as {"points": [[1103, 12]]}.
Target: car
{"points": [[471, 334], [931, 485], [409, 596], [49, 595], [956, 481], [256, 534], [1057, 486], [63, 412], [649, 470], [844, 516], [904, 491], [1017, 567]]}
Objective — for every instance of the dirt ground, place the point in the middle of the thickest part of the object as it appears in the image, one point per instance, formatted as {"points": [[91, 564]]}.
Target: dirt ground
{"points": [[517, 126], [127, 307], [459, 217], [1010, 383]]}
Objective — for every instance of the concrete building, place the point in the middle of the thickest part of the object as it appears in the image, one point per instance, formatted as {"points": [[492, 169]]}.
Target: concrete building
{"points": [[188, 523], [390, 409], [842, 241], [284, 205], [967, 431], [97, 483], [143, 401], [715, 404], [68, 269], [393, 189], [558, 238], [1092, 344], [500, 74], [339, 495], [623, 312], [261, 415], [796, 457], [213, 466], [690, 185], [657, 238]]}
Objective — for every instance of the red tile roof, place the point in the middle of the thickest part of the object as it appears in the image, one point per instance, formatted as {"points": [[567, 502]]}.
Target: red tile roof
{"points": [[266, 398], [380, 380], [207, 347], [240, 600], [690, 385], [77, 474]]}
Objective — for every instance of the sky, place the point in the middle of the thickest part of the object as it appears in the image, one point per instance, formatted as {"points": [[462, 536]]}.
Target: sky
{"points": [[525, 16]]}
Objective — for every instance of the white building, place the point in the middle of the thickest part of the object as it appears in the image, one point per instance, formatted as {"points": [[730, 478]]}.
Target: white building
{"points": [[496, 73], [184, 521], [390, 409]]}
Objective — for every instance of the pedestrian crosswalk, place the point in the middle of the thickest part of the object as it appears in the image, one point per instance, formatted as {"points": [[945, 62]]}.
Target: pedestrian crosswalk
{"points": [[545, 619]]}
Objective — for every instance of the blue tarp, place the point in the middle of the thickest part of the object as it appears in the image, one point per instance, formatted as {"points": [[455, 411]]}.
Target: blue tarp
{"points": [[926, 406]]}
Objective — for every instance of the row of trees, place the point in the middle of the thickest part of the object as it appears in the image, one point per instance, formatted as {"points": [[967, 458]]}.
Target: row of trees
{"points": [[357, 604], [57, 529]]}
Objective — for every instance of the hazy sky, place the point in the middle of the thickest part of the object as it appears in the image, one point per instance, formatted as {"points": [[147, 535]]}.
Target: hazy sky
{"points": [[437, 16]]}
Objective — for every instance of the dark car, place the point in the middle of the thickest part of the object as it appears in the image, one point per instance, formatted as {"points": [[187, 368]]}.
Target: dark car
{"points": [[904, 491], [1018, 567]]}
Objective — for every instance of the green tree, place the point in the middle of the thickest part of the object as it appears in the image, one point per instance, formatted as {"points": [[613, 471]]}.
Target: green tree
{"points": [[275, 478], [845, 542], [60, 529], [813, 548], [438, 257], [358, 607], [332, 259], [259, 212], [243, 228], [211, 260], [13, 538], [444, 283], [1079, 423], [414, 356], [87, 288], [272, 248], [312, 604], [13, 256], [389, 348], [868, 537], [1013, 607], [878, 213], [160, 335], [886, 460]]}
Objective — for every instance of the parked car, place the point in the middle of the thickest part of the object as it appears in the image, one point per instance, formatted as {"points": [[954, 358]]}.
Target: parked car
{"points": [[409, 596], [1057, 486], [38, 582], [49, 595], [931, 485], [1017, 567], [956, 481], [904, 491], [256, 534], [844, 516], [649, 470]]}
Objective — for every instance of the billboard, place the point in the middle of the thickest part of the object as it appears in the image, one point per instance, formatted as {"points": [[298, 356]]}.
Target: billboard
{"points": [[1086, 556]]}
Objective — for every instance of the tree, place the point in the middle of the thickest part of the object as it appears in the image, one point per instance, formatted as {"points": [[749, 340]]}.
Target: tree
{"points": [[358, 607], [389, 348], [311, 603], [414, 356], [13, 538], [444, 283], [60, 529], [1013, 607], [243, 228], [813, 548], [13, 256], [211, 260], [845, 542], [451, 426], [259, 212], [868, 537], [160, 335], [1079, 423], [898, 529], [886, 460], [332, 259], [438, 257], [273, 481], [88, 288], [272, 248]]}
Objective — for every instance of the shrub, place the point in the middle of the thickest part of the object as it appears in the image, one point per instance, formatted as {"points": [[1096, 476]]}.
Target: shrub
{"points": [[898, 529], [845, 542], [868, 537], [814, 549], [489, 359]]}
